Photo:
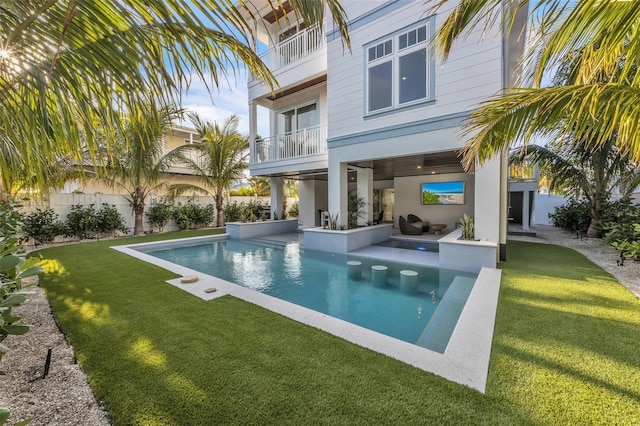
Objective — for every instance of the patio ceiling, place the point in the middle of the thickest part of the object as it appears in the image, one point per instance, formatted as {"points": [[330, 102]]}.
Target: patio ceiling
{"points": [[388, 168]]}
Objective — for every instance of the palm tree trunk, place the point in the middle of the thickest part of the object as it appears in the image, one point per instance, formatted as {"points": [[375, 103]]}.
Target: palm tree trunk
{"points": [[138, 227], [596, 215], [219, 211]]}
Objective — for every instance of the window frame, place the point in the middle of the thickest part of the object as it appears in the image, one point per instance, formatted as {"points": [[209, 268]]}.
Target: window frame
{"points": [[395, 56]]}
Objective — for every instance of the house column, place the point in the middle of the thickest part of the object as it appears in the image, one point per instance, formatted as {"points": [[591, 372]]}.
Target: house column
{"points": [[338, 189], [277, 195], [253, 131], [525, 210], [488, 200], [365, 191]]}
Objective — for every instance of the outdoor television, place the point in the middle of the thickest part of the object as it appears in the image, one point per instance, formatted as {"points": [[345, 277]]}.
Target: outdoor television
{"points": [[448, 193]]}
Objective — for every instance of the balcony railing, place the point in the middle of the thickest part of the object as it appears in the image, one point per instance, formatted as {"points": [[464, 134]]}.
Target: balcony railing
{"points": [[302, 143], [193, 156], [299, 46]]}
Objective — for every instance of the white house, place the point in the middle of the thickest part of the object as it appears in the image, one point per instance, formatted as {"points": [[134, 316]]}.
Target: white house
{"points": [[383, 117]]}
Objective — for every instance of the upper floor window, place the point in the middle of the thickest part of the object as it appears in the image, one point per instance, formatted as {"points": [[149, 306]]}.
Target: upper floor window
{"points": [[397, 69]]}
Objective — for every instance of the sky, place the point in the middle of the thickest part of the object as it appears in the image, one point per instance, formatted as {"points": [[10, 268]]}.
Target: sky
{"points": [[230, 98]]}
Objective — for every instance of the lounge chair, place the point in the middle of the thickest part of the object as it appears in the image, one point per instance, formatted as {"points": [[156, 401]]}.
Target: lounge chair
{"points": [[408, 228], [415, 220]]}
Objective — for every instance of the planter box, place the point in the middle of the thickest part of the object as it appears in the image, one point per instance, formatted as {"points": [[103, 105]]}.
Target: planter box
{"points": [[345, 241], [466, 255], [241, 231]]}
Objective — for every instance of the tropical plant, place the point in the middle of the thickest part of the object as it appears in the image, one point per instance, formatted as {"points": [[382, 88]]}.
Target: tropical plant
{"points": [[159, 213], [81, 221], [294, 210], [192, 216], [68, 68], [356, 208], [573, 216], [43, 225], [222, 159], [583, 171], [260, 185], [468, 227], [598, 107], [137, 160], [109, 221]]}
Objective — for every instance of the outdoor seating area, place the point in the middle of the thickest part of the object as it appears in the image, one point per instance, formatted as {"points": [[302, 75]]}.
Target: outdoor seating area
{"points": [[413, 225]]}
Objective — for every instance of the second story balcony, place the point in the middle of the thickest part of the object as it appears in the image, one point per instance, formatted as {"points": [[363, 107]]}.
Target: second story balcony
{"points": [[299, 44], [301, 143]]}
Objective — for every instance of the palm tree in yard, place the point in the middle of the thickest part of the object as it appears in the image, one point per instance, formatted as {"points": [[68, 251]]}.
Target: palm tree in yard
{"points": [[591, 110], [584, 171], [220, 160], [137, 160], [68, 68]]}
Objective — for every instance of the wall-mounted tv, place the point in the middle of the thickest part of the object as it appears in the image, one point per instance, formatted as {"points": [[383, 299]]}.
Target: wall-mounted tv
{"points": [[448, 193]]}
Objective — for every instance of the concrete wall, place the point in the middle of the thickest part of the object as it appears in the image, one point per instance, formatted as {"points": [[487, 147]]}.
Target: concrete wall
{"points": [[545, 204]]}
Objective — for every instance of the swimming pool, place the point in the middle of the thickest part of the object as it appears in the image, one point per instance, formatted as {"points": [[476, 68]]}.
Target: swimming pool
{"points": [[425, 314]]}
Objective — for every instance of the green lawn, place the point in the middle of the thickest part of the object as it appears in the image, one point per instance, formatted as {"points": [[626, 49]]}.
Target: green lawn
{"points": [[566, 351]]}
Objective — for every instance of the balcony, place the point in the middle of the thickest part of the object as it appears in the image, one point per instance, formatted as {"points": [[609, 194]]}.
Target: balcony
{"points": [[293, 49], [182, 167], [302, 143]]}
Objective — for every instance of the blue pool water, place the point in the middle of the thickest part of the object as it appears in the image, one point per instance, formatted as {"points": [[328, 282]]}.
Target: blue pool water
{"points": [[424, 315]]}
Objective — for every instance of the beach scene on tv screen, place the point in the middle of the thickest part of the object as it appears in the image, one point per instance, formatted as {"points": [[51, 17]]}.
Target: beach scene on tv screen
{"points": [[443, 192]]}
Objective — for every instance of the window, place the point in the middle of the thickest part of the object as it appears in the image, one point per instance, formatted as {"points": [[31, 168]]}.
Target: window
{"points": [[397, 70], [298, 118]]}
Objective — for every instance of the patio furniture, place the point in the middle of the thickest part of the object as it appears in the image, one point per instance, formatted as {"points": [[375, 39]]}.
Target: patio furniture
{"points": [[379, 219], [409, 228], [438, 227], [416, 221]]}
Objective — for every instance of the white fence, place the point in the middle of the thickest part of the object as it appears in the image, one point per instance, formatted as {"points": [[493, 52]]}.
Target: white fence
{"points": [[61, 203], [545, 204]]}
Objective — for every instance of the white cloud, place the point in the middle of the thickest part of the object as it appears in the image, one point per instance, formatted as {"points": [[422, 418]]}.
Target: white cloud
{"points": [[230, 98]]}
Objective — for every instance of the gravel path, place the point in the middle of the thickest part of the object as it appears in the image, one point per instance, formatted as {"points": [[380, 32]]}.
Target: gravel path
{"points": [[64, 396]]}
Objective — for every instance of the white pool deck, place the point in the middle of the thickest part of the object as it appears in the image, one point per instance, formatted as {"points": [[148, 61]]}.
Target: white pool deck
{"points": [[465, 360]]}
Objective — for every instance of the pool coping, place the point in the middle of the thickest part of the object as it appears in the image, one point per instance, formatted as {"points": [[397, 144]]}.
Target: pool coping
{"points": [[465, 360]]}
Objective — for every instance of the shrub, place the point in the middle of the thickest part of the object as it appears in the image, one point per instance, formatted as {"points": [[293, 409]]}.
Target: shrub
{"points": [[192, 215], [243, 212], [242, 192], [43, 225], [82, 221], [110, 221], [159, 214], [573, 216], [294, 211]]}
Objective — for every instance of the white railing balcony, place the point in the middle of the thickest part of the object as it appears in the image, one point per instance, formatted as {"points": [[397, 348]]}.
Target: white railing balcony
{"points": [[289, 51], [191, 155], [301, 143]]}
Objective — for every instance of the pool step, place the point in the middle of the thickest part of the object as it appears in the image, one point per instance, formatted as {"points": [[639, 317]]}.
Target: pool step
{"points": [[437, 333], [265, 242]]}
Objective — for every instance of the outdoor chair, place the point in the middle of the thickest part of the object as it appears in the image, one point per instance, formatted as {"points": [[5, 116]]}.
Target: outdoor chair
{"points": [[416, 221], [408, 228]]}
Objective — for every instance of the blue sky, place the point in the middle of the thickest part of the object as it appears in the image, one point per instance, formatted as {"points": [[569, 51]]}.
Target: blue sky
{"points": [[230, 98]]}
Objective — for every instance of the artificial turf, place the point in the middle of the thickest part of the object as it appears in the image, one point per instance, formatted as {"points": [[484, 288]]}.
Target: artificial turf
{"points": [[565, 351]]}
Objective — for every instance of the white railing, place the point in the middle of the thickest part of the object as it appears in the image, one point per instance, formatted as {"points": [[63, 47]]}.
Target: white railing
{"points": [[301, 143], [191, 155], [299, 46]]}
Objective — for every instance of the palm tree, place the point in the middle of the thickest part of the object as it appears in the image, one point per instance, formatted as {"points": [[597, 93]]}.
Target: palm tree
{"points": [[221, 160], [137, 161], [589, 109], [260, 185], [583, 171], [68, 68]]}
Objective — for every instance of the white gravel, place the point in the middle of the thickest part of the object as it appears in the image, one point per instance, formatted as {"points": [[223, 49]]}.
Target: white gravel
{"points": [[65, 398]]}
